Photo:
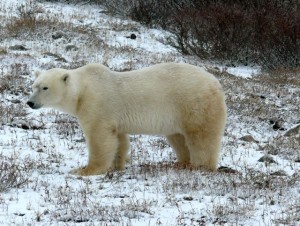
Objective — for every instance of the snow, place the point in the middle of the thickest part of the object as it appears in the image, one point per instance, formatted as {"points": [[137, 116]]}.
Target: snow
{"points": [[152, 190], [241, 71]]}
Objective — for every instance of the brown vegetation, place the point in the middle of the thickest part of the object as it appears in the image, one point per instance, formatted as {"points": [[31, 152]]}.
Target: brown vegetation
{"points": [[260, 32]]}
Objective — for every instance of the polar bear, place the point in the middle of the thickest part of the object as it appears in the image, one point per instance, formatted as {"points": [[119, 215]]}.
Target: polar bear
{"points": [[181, 101]]}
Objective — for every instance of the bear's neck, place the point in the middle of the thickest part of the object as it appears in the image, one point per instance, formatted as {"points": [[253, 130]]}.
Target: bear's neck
{"points": [[67, 107], [71, 102]]}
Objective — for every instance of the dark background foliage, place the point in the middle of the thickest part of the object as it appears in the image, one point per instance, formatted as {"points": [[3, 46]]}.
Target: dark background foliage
{"points": [[264, 32]]}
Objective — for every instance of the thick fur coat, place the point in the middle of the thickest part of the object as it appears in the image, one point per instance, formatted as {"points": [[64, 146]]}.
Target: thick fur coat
{"points": [[183, 102]]}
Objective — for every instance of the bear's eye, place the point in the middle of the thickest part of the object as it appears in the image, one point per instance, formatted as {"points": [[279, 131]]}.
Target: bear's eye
{"points": [[45, 88]]}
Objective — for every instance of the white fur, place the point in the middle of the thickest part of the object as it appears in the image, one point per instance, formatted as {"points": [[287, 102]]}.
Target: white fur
{"points": [[181, 101]]}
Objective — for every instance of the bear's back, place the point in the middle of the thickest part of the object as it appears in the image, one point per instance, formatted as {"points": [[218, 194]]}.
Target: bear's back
{"points": [[154, 98]]}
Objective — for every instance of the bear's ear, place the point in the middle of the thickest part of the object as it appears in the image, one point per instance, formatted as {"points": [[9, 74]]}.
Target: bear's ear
{"points": [[65, 78], [37, 74]]}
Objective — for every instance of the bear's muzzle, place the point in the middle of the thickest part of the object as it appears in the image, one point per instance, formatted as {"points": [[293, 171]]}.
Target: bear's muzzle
{"points": [[32, 105]]}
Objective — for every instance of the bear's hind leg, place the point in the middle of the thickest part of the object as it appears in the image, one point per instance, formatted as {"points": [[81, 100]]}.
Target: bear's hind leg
{"points": [[121, 155], [177, 142], [204, 150]]}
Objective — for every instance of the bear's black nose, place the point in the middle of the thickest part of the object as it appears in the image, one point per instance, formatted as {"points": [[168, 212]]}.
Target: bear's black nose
{"points": [[30, 104]]}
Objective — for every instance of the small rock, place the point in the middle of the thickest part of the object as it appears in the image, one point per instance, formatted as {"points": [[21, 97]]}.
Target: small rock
{"points": [[51, 55], [56, 56], [188, 198], [25, 126], [248, 138], [293, 132], [272, 121], [18, 47], [19, 214], [225, 169], [104, 11], [58, 35], [277, 123], [61, 59], [40, 150], [132, 36], [15, 101], [262, 96], [71, 48], [267, 159], [122, 196], [277, 127], [80, 140], [278, 173], [20, 124]]}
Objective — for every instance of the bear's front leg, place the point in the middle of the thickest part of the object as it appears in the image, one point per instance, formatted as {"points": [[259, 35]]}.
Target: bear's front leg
{"points": [[102, 146]]}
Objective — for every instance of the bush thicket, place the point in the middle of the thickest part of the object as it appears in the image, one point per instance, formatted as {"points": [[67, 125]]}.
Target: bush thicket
{"points": [[265, 32]]}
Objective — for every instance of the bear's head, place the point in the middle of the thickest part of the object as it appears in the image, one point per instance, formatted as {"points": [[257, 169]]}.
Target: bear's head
{"points": [[49, 88]]}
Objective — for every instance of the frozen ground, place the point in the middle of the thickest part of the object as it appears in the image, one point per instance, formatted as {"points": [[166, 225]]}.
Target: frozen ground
{"points": [[38, 148]]}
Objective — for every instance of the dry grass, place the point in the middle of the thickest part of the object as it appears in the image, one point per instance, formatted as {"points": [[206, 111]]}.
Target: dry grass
{"points": [[14, 174], [235, 192], [148, 187], [14, 80]]}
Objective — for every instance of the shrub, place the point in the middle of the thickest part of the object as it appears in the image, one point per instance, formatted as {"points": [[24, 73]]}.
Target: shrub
{"points": [[263, 32], [12, 174]]}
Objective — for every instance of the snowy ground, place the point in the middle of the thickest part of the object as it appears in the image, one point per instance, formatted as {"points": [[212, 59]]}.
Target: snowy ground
{"points": [[38, 148]]}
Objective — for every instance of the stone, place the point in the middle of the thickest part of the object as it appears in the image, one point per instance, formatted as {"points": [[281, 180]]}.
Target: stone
{"points": [[18, 47], [248, 138], [267, 159], [293, 131]]}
